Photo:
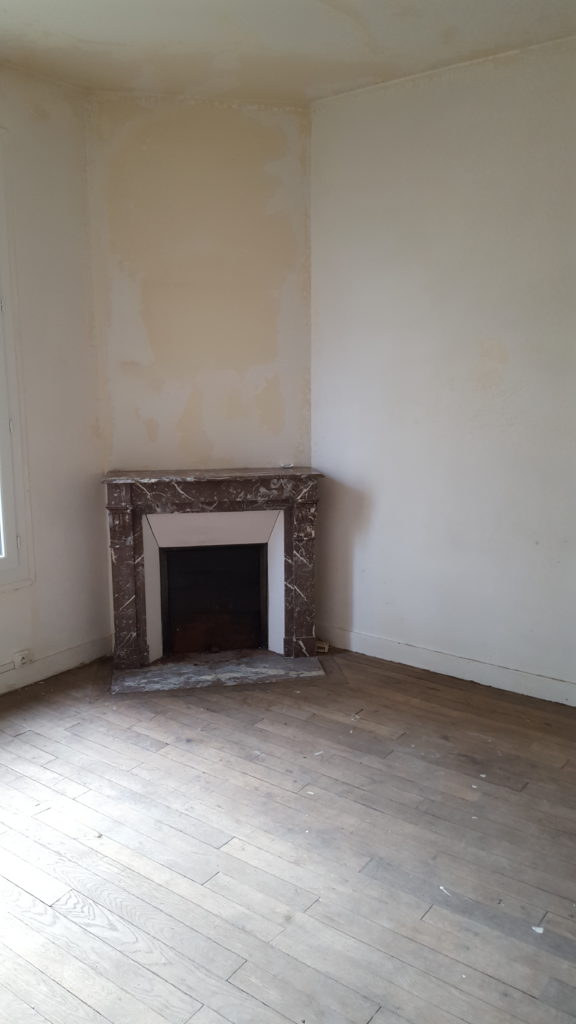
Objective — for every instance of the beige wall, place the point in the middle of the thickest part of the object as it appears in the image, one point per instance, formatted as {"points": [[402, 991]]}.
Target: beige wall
{"points": [[199, 225], [62, 616], [444, 351], [177, 334]]}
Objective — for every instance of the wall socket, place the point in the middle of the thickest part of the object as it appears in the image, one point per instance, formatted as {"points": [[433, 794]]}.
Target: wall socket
{"points": [[21, 658]]}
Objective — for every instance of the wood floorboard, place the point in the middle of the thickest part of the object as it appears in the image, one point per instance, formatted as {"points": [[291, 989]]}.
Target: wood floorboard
{"points": [[12, 1008], [380, 846], [35, 988]]}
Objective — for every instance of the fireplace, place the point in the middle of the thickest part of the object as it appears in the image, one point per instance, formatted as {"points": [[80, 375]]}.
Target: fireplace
{"points": [[169, 529]]}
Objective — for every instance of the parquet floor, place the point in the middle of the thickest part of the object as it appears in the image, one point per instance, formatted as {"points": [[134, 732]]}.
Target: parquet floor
{"points": [[383, 845]]}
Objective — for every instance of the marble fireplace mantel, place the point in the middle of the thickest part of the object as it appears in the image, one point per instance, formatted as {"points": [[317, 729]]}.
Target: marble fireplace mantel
{"points": [[136, 493]]}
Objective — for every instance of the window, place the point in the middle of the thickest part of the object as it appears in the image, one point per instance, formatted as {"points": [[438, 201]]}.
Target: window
{"points": [[14, 566]]}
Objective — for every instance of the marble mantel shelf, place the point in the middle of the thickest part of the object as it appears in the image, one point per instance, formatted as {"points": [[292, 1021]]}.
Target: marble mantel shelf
{"points": [[133, 494], [148, 476]]}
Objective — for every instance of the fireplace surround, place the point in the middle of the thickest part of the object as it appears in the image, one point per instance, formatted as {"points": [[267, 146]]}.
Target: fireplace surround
{"points": [[134, 496]]}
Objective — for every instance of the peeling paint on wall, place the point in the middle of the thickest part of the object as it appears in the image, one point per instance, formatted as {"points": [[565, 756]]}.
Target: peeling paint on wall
{"points": [[199, 216]]}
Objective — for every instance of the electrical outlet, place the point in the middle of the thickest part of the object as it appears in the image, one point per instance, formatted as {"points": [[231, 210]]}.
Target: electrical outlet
{"points": [[21, 658]]}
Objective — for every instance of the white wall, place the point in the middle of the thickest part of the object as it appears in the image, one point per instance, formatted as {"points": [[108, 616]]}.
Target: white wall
{"points": [[444, 327], [62, 617], [444, 350]]}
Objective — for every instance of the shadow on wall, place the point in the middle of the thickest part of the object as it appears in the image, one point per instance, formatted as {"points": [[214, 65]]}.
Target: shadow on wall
{"points": [[343, 516]]}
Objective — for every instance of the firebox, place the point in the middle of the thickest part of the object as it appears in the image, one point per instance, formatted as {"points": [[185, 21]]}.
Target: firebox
{"points": [[214, 598]]}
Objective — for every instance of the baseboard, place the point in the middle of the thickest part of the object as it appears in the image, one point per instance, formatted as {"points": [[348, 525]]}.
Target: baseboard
{"points": [[53, 664], [545, 687]]}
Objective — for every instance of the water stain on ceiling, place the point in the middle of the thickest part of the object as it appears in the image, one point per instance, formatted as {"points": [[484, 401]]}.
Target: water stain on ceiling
{"points": [[269, 51]]}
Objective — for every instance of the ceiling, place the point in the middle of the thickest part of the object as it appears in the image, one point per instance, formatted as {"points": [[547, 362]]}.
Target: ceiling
{"points": [[265, 50]]}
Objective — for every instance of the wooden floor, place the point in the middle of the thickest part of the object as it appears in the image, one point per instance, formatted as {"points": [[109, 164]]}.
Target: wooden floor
{"points": [[383, 845]]}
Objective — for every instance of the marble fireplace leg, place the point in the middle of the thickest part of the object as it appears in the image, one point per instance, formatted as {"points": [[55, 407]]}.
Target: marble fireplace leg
{"points": [[140, 588], [130, 648], [289, 582], [300, 639]]}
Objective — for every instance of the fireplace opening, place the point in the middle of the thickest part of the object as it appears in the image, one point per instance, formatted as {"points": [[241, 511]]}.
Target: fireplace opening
{"points": [[214, 598]]}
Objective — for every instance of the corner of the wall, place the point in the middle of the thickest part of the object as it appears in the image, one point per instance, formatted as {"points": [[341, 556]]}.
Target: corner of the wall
{"points": [[52, 665], [560, 691]]}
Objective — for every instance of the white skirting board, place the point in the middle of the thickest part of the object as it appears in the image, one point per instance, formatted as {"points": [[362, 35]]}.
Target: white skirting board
{"points": [[53, 664], [562, 691]]}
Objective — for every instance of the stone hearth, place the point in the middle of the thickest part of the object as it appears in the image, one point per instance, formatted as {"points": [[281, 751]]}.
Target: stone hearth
{"points": [[196, 672], [132, 495]]}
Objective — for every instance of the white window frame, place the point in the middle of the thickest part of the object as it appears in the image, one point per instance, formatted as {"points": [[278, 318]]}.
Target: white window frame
{"points": [[15, 560]]}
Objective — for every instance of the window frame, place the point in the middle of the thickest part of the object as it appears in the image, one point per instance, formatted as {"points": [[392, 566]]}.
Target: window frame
{"points": [[16, 564]]}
